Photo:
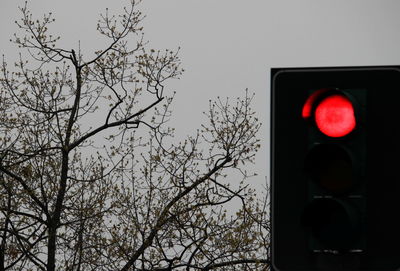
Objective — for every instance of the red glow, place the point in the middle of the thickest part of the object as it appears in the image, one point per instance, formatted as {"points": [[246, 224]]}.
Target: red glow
{"points": [[307, 107], [334, 116]]}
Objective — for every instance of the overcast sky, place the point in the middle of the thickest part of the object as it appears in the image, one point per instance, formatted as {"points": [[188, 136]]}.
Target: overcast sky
{"points": [[230, 45]]}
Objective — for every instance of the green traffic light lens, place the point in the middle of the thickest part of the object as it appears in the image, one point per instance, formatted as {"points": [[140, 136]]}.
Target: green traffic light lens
{"points": [[335, 223]]}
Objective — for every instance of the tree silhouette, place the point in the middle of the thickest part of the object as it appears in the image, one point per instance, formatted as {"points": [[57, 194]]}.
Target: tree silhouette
{"points": [[91, 177]]}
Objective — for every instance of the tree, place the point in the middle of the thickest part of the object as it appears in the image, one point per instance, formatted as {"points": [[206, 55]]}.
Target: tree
{"points": [[91, 177]]}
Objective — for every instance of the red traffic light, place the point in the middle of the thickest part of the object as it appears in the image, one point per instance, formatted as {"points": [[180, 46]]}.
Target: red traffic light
{"points": [[333, 115]]}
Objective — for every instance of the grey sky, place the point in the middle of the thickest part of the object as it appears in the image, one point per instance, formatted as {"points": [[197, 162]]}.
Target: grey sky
{"points": [[230, 45]]}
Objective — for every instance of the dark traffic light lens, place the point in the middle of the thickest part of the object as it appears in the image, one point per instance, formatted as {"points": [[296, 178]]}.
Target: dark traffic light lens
{"points": [[330, 166], [333, 222]]}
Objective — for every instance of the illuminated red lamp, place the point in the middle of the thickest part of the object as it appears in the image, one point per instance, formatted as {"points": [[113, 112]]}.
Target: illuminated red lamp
{"points": [[334, 115]]}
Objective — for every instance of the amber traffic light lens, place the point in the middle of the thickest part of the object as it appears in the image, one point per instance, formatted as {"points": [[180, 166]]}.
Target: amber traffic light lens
{"points": [[330, 166]]}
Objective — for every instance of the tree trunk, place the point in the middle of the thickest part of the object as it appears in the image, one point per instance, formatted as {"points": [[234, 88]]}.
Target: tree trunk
{"points": [[51, 253]]}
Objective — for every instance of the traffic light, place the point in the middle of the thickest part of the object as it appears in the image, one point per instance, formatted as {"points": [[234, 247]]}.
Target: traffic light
{"points": [[335, 160]]}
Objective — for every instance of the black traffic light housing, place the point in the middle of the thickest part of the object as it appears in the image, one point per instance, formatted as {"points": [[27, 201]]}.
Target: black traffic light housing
{"points": [[335, 182]]}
